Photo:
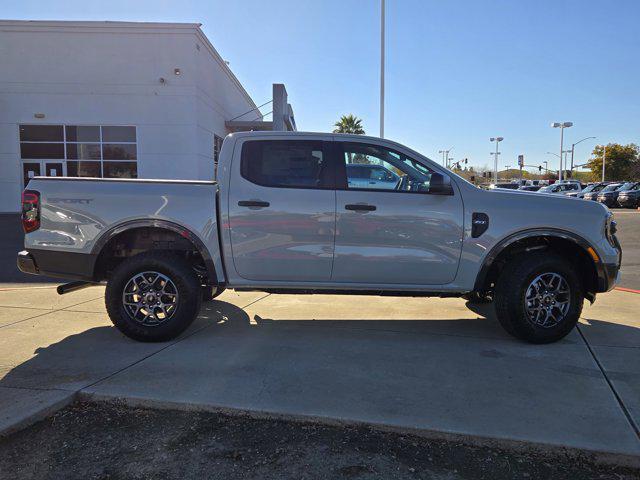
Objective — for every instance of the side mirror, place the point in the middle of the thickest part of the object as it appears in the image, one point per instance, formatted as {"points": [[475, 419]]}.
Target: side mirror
{"points": [[440, 184]]}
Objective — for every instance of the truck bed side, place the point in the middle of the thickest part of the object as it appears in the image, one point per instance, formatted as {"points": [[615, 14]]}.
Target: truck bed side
{"points": [[79, 216]]}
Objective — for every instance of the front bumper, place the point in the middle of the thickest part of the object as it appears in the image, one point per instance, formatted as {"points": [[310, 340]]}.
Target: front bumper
{"points": [[26, 263], [609, 273], [608, 201], [627, 201]]}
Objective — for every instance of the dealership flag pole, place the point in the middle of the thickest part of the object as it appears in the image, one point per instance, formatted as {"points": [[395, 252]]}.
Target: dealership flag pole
{"points": [[382, 71]]}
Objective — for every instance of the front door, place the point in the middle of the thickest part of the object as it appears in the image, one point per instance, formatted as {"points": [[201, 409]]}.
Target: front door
{"points": [[401, 235], [282, 211]]}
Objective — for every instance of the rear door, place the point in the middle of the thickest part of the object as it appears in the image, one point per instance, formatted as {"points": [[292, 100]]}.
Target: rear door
{"points": [[400, 235], [282, 210]]}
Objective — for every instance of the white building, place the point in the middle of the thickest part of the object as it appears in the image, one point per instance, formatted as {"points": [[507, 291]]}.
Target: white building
{"points": [[116, 99]]}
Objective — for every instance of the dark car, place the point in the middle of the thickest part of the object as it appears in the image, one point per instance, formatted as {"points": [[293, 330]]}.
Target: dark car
{"points": [[530, 188], [591, 188], [630, 198], [609, 195], [594, 195], [508, 186]]}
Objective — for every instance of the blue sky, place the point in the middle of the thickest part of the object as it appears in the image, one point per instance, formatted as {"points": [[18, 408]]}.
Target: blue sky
{"points": [[458, 72]]}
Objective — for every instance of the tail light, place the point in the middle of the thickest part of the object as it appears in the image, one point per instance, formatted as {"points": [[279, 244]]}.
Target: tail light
{"points": [[30, 210]]}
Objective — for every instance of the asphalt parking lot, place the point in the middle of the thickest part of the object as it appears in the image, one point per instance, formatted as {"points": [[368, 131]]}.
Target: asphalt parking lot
{"points": [[427, 366]]}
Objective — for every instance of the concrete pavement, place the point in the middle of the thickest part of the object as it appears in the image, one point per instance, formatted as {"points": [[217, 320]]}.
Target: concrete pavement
{"points": [[430, 365]]}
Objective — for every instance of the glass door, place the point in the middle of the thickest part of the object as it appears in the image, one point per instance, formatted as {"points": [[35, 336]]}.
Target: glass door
{"points": [[30, 170], [53, 169]]}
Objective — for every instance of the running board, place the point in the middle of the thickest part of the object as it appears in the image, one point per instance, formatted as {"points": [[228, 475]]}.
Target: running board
{"points": [[73, 286]]}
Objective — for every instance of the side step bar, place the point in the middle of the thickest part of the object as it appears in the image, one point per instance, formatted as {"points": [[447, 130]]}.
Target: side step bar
{"points": [[73, 286]]}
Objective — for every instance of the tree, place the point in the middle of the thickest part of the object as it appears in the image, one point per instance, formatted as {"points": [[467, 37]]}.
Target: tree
{"points": [[349, 124], [622, 162]]}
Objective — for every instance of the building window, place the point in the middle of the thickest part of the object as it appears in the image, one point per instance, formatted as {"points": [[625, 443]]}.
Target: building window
{"points": [[108, 151], [217, 145]]}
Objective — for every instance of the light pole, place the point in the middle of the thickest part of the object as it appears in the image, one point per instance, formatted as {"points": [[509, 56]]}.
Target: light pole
{"points": [[445, 157], [573, 146], [495, 161], [561, 126], [604, 159], [546, 165], [382, 69]]}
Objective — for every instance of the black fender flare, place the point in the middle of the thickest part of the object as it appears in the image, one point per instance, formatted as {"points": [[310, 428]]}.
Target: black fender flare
{"points": [[156, 223], [539, 232]]}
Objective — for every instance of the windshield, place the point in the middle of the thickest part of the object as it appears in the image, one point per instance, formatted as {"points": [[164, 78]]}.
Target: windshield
{"points": [[548, 188], [612, 188], [627, 186], [590, 188]]}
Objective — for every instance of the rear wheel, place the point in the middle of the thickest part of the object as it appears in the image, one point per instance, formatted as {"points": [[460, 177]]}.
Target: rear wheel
{"points": [[153, 297], [539, 297]]}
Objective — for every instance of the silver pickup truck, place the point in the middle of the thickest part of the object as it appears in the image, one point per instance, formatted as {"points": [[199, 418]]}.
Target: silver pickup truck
{"points": [[284, 217]]}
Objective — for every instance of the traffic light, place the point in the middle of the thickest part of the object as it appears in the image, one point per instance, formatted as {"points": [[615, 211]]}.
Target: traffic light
{"points": [[539, 168]]}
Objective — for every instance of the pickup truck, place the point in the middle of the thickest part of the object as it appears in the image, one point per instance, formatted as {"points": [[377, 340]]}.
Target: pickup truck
{"points": [[282, 218]]}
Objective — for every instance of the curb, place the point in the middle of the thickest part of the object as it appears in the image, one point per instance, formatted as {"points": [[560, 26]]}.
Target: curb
{"points": [[629, 290], [29, 419], [511, 444]]}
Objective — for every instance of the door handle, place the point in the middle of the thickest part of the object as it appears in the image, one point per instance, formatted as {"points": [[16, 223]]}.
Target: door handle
{"points": [[253, 203], [359, 207]]}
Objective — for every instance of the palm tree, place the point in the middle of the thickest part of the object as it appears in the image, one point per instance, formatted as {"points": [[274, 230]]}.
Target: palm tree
{"points": [[349, 124]]}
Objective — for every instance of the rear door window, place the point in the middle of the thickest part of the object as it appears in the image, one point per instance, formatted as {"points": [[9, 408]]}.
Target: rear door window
{"points": [[287, 164]]}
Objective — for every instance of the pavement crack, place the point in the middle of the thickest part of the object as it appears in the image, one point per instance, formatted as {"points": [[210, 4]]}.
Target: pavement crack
{"points": [[623, 407]]}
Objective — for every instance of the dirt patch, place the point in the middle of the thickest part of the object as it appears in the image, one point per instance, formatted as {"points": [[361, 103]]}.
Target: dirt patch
{"points": [[105, 441]]}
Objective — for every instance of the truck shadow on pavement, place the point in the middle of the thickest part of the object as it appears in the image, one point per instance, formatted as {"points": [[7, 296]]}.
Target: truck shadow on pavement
{"points": [[85, 358]]}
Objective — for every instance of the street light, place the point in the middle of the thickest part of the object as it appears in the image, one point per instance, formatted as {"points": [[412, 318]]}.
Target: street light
{"points": [[382, 11], [445, 157], [561, 126], [495, 161], [573, 146]]}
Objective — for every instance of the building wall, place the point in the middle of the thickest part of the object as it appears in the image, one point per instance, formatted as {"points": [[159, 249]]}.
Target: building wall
{"points": [[104, 73]]}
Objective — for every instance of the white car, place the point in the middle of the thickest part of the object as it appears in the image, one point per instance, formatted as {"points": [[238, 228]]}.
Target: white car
{"points": [[560, 188]]}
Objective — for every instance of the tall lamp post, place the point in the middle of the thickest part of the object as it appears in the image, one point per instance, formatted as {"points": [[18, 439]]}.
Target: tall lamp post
{"points": [[382, 69], [561, 126], [573, 146], [445, 157], [495, 160]]}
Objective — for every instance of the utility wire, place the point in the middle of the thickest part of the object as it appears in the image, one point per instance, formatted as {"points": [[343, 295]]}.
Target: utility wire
{"points": [[249, 111]]}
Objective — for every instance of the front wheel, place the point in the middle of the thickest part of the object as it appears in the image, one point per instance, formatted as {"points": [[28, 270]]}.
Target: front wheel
{"points": [[153, 297], [538, 297]]}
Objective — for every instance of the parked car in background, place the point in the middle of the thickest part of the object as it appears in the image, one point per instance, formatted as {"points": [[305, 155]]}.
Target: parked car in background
{"points": [[560, 188], [371, 176], [610, 197], [594, 195], [630, 198], [530, 188], [504, 186], [593, 187]]}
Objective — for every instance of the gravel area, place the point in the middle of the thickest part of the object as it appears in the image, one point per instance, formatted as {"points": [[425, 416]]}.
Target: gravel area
{"points": [[107, 441]]}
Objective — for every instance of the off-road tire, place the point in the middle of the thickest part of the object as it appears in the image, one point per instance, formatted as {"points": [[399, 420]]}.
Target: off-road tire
{"points": [[510, 294], [178, 271]]}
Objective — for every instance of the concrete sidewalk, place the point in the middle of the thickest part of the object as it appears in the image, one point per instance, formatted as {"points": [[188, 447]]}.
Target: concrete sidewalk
{"points": [[421, 364]]}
